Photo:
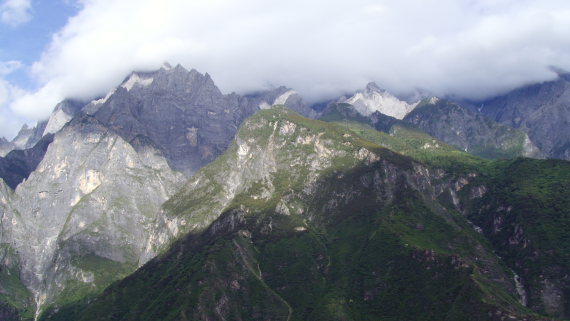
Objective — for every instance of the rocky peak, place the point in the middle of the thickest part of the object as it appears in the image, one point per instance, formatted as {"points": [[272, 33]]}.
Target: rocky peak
{"points": [[27, 137], [62, 114], [373, 98], [182, 112]]}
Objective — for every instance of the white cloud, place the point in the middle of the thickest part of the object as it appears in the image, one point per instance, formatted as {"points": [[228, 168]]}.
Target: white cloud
{"points": [[10, 123], [319, 47], [7, 67], [15, 12]]}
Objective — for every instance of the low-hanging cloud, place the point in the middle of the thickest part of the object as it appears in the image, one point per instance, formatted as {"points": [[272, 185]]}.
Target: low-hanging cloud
{"points": [[322, 48]]}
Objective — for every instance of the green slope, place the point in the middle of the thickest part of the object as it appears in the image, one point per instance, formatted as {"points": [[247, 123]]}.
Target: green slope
{"points": [[526, 215], [337, 228]]}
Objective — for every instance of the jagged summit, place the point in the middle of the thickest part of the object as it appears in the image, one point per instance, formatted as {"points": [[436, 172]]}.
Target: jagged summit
{"points": [[373, 98], [181, 111], [62, 114]]}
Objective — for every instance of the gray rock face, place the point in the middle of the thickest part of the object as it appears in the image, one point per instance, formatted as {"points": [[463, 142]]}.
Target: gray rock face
{"points": [[62, 114], [470, 131], [181, 112], [541, 110], [18, 164], [81, 219]]}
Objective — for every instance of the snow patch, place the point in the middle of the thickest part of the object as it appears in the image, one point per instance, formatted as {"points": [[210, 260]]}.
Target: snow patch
{"points": [[135, 80]]}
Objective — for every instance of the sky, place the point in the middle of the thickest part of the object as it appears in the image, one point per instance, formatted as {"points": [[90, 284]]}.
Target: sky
{"points": [[56, 49]]}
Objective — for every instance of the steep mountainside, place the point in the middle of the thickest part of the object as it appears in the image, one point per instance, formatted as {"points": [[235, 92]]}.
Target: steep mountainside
{"points": [[541, 110], [470, 131], [82, 218], [306, 220], [522, 210], [526, 215]]}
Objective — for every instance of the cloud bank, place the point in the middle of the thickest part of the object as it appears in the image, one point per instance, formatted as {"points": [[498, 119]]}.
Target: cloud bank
{"points": [[15, 12], [322, 48]]}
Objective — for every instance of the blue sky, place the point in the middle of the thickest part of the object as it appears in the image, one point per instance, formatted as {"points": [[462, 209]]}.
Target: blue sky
{"points": [[25, 42], [57, 49]]}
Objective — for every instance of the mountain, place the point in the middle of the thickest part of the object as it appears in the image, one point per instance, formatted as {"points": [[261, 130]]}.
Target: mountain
{"points": [[81, 219], [470, 131], [80, 206], [28, 137], [167, 199], [307, 220], [373, 98], [182, 113], [525, 213], [541, 110], [449, 122]]}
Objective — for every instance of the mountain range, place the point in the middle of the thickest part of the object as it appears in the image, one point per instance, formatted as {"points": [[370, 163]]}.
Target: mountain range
{"points": [[169, 200]]}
